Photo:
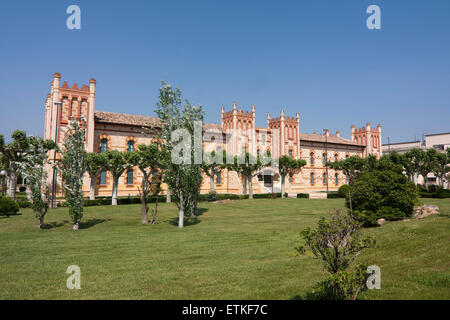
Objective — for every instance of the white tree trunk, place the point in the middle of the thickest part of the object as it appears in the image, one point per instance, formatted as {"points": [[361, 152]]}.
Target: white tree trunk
{"points": [[283, 181], [12, 184], [92, 188], [181, 212], [244, 184], [250, 187], [211, 183], [114, 191], [168, 198]]}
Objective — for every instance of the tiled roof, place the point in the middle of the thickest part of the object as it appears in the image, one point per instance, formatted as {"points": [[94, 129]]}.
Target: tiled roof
{"points": [[137, 120], [330, 139], [125, 119]]}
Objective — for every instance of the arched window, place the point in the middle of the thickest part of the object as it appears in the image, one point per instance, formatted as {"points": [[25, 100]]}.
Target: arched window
{"points": [[130, 146], [263, 139], [103, 177], [258, 153], [324, 159], [291, 177], [311, 158], [311, 178], [130, 176], [290, 154], [336, 157], [104, 145], [243, 150], [324, 178], [218, 177], [336, 179], [347, 156]]}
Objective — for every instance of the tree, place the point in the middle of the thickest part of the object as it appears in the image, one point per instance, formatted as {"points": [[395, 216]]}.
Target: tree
{"points": [[417, 160], [351, 167], [402, 160], [94, 164], [14, 153], [247, 167], [148, 158], [73, 167], [32, 169], [384, 192], [440, 167], [285, 166], [116, 163], [181, 177], [428, 161], [337, 243], [211, 167]]}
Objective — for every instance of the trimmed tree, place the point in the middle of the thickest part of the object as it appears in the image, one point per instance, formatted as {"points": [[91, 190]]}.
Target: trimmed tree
{"points": [[417, 160], [440, 167], [211, 167], [351, 167], [247, 168], [94, 164], [116, 163], [287, 165], [148, 159], [73, 167]]}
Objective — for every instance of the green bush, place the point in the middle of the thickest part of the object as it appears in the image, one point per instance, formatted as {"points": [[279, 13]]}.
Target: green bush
{"points": [[24, 203], [344, 190], [383, 192], [212, 196], [334, 195], [303, 195], [8, 206], [443, 194]]}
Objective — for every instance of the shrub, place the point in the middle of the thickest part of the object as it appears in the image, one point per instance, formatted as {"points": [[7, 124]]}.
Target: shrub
{"points": [[303, 195], [8, 206], [344, 190], [24, 203], [212, 196], [22, 189], [334, 195], [337, 243], [383, 192]]}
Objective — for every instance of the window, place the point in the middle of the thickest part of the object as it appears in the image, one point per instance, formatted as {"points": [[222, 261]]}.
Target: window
{"points": [[290, 154], [336, 179], [218, 177], [263, 139], [347, 156], [324, 178], [104, 145], [324, 159], [130, 146], [311, 178], [243, 150], [103, 177], [311, 158], [130, 176], [258, 153], [335, 157], [291, 178]]}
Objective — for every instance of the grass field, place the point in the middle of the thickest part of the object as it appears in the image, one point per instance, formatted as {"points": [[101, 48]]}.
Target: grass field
{"points": [[243, 250]]}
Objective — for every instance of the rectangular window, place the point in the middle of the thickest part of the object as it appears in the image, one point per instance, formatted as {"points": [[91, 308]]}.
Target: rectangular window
{"points": [[103, 177], [218, 178], [130, 176]]}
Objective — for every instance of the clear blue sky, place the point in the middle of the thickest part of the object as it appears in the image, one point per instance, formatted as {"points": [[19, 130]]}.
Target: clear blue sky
{"points": [[315, 57]]}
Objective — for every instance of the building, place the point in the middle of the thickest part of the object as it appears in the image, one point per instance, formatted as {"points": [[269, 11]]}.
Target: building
{"points": [[282, 136]]}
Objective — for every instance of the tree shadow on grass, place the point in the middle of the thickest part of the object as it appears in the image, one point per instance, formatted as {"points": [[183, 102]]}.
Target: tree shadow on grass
{"points": [[54, 224], [91, 222], [201, 211], [188, 221]]}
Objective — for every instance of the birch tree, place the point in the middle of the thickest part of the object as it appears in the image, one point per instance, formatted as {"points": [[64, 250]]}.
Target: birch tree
{"points": [[181, 178]]}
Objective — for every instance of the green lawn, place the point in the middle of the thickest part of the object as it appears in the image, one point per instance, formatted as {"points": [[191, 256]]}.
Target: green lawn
{"points": [[243, 250]]}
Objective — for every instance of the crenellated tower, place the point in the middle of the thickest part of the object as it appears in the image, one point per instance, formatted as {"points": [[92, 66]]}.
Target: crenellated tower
{"points": [[369, 137], [65, 103], [285, 135]]}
